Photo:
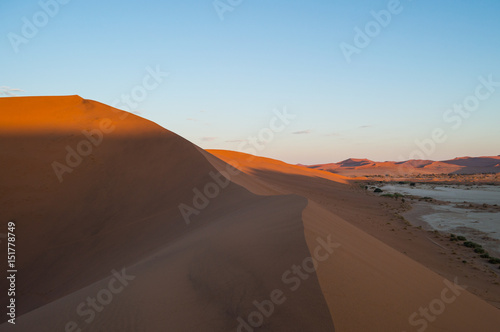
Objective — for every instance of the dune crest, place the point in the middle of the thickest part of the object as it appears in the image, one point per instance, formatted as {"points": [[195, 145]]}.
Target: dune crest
{"points": [[362, 167], [364, 279], [112, 231]]}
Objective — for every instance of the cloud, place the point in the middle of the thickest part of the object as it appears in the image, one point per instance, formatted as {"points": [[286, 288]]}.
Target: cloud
{"points": [[8, 91], [365, 126], [302, 132], [333, 134], [191, 119], [236, 141], [208, 139]]}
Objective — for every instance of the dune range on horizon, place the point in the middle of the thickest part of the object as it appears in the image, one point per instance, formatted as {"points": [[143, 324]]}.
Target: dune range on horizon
{"points": [[457, 166]]}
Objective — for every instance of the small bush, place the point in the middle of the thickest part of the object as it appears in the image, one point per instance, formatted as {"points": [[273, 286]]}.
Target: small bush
{"points": [[395, 195], [461, 238], [378, 190], [485, 255], [479, 250], [494, 260], [470, 244]]}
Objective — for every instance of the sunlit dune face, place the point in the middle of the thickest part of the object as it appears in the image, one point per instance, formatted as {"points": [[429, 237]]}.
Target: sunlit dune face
{"points": [[38, 114], [68, 114], [249, 163]]}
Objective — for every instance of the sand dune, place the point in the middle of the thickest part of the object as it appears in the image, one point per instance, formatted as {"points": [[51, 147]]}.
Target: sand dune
{"points": [[106, 246], [368, 285], [363, 167], [117, 213]]}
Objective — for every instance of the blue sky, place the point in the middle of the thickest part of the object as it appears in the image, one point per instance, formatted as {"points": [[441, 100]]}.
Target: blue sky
{"points": [[227, 76]]}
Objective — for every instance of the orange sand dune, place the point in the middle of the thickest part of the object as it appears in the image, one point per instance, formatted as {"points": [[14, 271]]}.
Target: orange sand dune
{"points": [[112, 231], [365, 167], [368, 285], [125, 226]]}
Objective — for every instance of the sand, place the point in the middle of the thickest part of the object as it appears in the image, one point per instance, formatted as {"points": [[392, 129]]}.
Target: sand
{"points": [[368, 285], [113, 230], [119, 209], [457, 166]]}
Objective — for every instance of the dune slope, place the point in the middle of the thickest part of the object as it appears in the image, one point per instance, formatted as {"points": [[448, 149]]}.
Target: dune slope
{"points": [[102, 244], [365, 167], [368, 285]]}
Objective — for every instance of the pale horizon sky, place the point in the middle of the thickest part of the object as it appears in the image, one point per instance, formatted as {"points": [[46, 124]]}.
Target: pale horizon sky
{"points": [[226, 78]]}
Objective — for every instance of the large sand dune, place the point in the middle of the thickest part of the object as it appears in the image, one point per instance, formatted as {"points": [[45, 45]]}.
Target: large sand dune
{"points": [[112, 229], [119, 209]]}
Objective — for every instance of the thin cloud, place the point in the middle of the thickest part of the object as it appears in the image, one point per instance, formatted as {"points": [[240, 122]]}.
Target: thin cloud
{"points": [[235, 141], [365, 126], [192, 119], [333, 134], [8, 91], [302, 132], [208, 139]]}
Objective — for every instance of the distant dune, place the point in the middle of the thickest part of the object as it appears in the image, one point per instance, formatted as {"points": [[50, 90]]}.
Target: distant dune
{"points": [[123, 225], [362, 167]]}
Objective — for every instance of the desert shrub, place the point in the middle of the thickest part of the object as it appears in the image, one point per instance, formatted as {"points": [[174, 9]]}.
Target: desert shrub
{"points": [[470, 244], [494, 260], [479, 250], [485, 255], [378, 190], [461, 238]]}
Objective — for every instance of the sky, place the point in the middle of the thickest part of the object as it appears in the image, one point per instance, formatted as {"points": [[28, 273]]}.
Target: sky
{"points": [[300, 81]]}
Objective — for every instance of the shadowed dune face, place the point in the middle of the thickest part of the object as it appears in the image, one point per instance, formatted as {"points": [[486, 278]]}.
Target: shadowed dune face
{"points": [[118, 210], [368, 285], [102, 205], [355, 162]]}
